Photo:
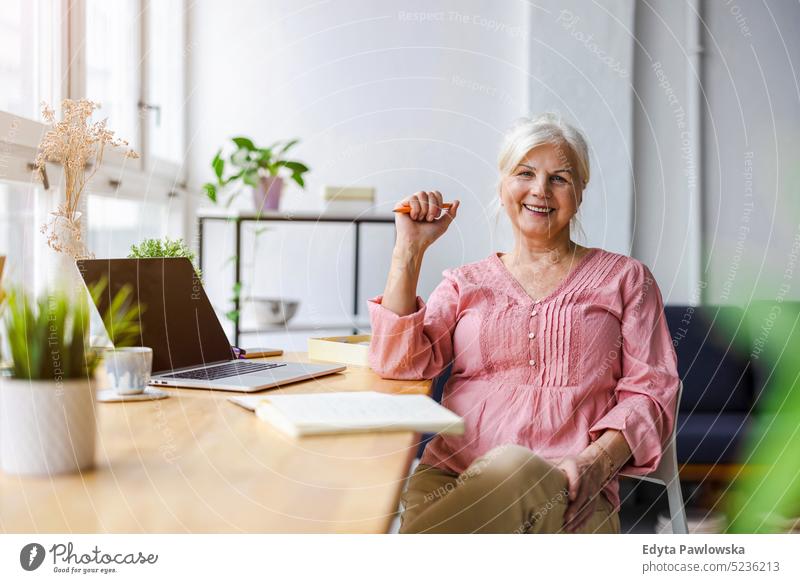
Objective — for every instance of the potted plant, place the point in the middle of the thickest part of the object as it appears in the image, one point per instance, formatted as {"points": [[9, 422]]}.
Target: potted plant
{"points": [[260, 168], [165, 247], [47, 404]]}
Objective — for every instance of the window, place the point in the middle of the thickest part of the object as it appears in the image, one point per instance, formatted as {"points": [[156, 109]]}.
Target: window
{"points": [[135, 53], [30, 72], [164, 107], [117, 223], [134, 67], [30, 41], [17, 223], [126, 54], [112, 64]]}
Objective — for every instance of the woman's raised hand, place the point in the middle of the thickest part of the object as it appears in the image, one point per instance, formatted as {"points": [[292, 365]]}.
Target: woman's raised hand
{"points": [[418, 229]]}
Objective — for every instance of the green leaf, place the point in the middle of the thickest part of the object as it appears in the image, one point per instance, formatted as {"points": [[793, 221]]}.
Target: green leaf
{"points": [[232, 315], [211, 191], [165, 247], [264, 157], [244, 143], [240, 158], [296, 167], [290, 144], [48, 336], [250, 177], [218, 164], [299, 180]]}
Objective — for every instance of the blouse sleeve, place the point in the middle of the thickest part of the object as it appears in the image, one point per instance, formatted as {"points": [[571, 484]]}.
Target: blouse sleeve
{"points": [[419, 345], [646, 393]]}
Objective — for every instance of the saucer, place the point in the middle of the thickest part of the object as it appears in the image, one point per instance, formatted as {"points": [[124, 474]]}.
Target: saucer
{"points": [[111, 396]]}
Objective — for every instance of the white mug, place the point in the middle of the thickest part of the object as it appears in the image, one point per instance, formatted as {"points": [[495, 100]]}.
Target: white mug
{"points": [[128, 369]]}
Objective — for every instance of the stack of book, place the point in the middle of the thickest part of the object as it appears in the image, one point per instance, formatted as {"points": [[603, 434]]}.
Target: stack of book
{"points": [[344, 349]]}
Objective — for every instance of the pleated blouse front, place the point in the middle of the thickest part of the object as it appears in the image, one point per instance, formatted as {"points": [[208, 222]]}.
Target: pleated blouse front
{"points": [[551, 374]]}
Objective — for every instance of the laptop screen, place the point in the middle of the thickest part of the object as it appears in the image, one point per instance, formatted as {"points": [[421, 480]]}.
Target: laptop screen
{"points": [[177, 320]]}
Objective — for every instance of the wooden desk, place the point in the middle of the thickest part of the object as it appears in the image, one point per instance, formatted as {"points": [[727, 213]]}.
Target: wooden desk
{"points": [[197, 463]]}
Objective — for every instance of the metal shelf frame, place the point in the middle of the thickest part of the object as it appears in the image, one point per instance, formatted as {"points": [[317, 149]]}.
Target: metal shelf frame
{"points": [[239, 218]]}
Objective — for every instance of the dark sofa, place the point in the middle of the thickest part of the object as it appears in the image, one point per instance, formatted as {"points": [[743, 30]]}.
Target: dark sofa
{"points": [[727, 358], [713, 348]]}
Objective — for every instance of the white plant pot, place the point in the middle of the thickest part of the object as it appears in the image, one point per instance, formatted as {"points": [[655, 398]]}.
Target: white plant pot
{"points": [[47, 427]]}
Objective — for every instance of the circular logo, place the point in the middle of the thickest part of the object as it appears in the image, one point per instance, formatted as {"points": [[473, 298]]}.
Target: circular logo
{"points": [[31, 556]]}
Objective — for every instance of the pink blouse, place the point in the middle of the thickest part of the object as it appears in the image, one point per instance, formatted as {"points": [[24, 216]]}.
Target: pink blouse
{"points": [[551, 375]]}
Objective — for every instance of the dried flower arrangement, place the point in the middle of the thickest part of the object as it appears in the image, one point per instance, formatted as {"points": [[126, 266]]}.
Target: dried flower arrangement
{"points": [[78, 145]]}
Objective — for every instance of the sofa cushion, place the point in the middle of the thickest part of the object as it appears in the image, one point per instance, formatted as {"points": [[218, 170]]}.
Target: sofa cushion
{"points": [[710, 438], [712, 344]]}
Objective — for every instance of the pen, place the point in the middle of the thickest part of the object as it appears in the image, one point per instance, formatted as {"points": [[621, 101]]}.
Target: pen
{"points": [[405, 209]]}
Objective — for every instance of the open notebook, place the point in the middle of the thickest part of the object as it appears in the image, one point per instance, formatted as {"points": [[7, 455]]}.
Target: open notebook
{"points": [[352, 412]]}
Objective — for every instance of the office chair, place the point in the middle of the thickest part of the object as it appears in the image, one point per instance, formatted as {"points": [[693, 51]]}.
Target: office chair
{"points": [[667, 474]]}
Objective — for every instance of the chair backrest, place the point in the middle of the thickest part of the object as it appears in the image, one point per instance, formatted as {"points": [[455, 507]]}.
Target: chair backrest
{"points": [[437, 390], [667, 469]]}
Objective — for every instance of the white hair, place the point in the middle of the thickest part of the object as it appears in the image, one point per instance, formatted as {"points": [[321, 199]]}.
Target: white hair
{"points": [[546, 128]]}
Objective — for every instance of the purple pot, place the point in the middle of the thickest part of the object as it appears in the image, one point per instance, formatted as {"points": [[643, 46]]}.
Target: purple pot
{"points": [[267, 195]]}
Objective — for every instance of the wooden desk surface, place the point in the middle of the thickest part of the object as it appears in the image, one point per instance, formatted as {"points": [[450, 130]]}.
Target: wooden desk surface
{"points": [[197, 463]]}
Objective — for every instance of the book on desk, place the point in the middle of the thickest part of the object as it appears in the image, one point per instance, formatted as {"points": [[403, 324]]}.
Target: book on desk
{"points": [[298, 415], [353, 349]]}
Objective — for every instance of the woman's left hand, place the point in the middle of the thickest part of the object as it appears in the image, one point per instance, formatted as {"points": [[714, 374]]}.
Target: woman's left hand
{"points": [[586, 474]]}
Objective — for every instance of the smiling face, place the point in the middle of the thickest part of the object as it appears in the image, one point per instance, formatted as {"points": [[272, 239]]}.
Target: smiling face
{"points": [[543, 193]]}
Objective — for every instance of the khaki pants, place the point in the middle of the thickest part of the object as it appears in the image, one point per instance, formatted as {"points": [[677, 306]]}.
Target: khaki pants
{"points": [[508, 490]]}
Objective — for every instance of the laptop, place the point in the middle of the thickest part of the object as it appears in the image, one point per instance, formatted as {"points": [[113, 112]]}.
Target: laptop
{"points": [[190, 348]]}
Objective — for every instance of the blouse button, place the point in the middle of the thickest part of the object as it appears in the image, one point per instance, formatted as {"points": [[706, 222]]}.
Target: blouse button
{"points": [[533, 313], [531, 362], [531, 335]]}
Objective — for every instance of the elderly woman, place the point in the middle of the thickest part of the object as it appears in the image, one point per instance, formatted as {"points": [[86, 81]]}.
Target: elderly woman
{"points": [[563, 367]]}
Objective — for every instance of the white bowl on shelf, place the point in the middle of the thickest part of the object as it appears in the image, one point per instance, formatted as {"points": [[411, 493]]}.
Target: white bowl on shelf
{"points": [[269, 312]]}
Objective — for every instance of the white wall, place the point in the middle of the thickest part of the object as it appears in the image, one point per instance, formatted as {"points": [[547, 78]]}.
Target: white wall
{"points": [[400, 96], [662, 175], [581, 66], [752, 128], [749, 178]]}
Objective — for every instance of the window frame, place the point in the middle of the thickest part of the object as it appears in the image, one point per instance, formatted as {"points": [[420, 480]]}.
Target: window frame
{"points": [[73, 65], [118, 176], [165, 168]]}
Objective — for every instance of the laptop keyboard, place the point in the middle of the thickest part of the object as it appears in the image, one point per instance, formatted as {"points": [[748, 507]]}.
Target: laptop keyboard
{"points": [[222, 371]]}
